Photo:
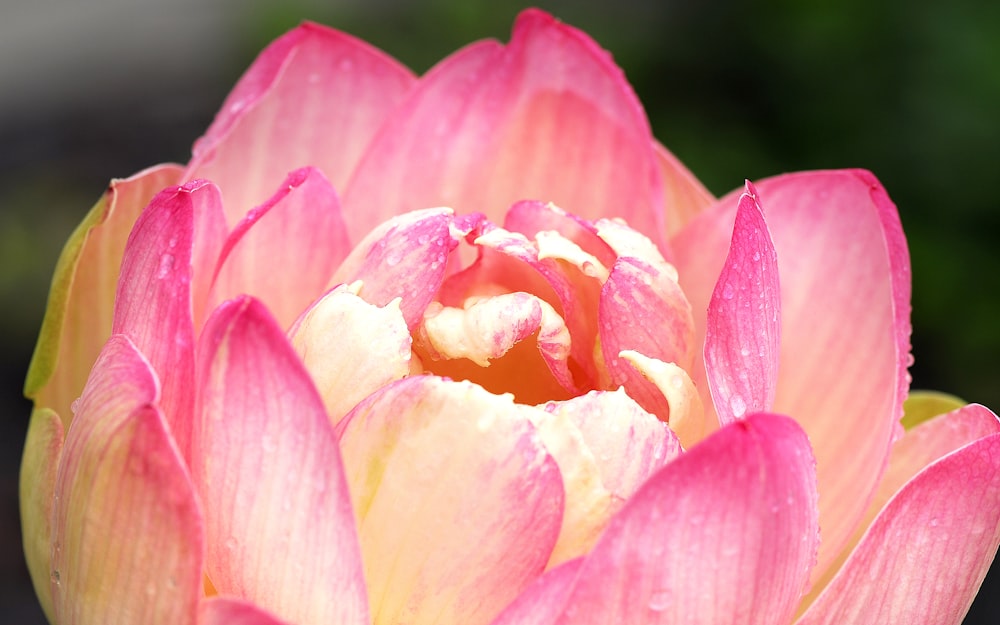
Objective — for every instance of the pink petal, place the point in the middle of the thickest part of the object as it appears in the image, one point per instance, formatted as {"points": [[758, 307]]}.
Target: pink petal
{"points": [[743, 332], [548, 117], [844, 291], [919, 448], [351, 348], [531, 217], [153, 305], [628, 443], [284, 251], [81, 303], [127, 531], [278, 516], [726, 533], [227, 611], [458, 503], [542, 602], [926, 554], [685, 195], [42, 450], [404, 257], [314, 97], [642, 308]]}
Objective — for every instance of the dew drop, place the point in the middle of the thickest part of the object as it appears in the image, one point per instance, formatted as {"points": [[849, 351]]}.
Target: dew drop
{"points": [[756, 255], [393, 258], [727, 291], [659, 601], [166, 266], [75, 406], [744, 351], [737, 405], [54, 576]]}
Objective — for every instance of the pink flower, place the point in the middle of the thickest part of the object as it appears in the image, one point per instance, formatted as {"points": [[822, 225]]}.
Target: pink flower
{"points": [[316, 397]]}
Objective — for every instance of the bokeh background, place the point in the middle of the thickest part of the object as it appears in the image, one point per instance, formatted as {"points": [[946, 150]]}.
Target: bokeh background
{"points": [[910, 89]]}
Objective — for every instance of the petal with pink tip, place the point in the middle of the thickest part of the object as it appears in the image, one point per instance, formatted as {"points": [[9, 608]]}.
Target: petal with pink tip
{"points": [[124, 503], [531, 217], [284, 251], [458, 503], [42, 450], [404, 257], [844, 288], [625, 241], [228, 611], [642, 308], [547, 117], [154, 302], [675, 554], [543, 601], [919, 447], [926, 554], [278, 516], [351, 348], [81, 300], [743, 331], [314, 97], [628, 444]]}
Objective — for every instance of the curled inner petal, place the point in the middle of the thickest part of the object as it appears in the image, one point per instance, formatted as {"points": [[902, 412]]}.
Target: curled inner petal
{"points": [[490, 342]]}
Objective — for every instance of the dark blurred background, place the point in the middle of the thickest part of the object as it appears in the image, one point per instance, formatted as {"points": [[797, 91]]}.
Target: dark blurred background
{"points": [[907, 88]]}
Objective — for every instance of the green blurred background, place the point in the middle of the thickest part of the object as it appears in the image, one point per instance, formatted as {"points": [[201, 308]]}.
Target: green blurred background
{"points": [[908, 89]]}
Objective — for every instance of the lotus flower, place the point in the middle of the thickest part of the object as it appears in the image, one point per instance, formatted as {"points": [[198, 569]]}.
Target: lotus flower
{"points": [[282, 385]]}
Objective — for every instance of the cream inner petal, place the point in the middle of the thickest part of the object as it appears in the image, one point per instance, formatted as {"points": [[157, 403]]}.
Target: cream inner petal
{"points": [[687, 414], [512, 342]]}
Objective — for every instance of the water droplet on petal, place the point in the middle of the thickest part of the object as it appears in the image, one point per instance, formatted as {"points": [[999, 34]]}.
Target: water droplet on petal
{"points": [[659, 601], [738, 406], [166, 266], [727, 291], [744, 351], [393, 258]]}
